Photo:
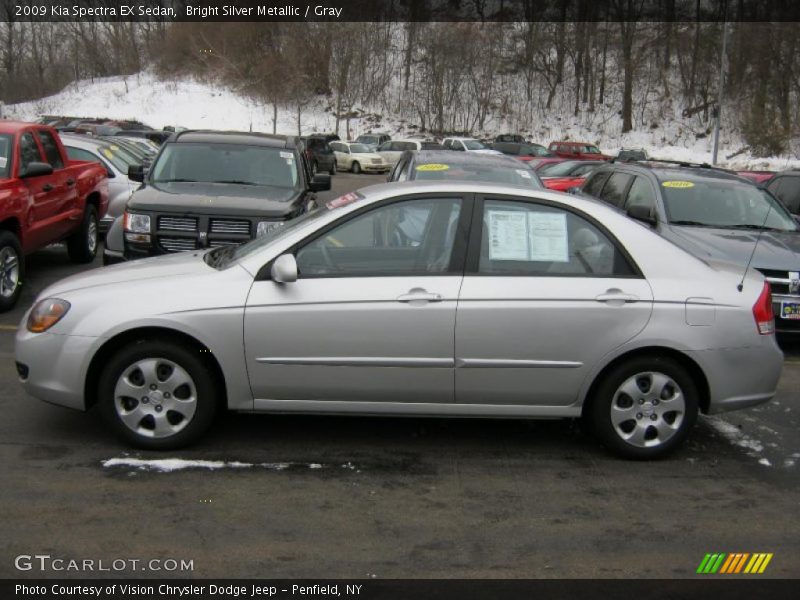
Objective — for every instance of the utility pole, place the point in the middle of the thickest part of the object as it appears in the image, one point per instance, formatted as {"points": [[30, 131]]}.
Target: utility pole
{"points": [[721, 88]]}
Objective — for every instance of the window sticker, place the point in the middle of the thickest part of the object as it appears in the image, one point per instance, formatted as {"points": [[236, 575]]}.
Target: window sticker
{"points": [[523, 173], [348, 198], [528, 236], [286, 154], [433, 167], [678, 184], [3, 162], [108, 154]]}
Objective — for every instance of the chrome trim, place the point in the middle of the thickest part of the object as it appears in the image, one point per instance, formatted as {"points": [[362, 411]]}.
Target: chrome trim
{"points": [[358, 361], [500, 363], [414, 408]]}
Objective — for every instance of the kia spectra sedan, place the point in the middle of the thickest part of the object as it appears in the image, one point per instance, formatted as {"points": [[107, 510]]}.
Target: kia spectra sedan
{"points": [[448, 299]]}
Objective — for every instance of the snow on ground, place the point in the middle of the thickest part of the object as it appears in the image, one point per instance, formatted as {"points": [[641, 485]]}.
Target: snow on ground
{"points": [[168, 465], [189, 103]]}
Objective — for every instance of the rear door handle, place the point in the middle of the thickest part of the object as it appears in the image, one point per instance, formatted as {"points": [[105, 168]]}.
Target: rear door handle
{"points": [[70, 182], [615, 296], [47, 187], [418, 295]]}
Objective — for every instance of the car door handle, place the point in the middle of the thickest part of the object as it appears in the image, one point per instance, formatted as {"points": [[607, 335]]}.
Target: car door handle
{"points": [[616, 296], [70, 182], [419, 295], [47, 187]]}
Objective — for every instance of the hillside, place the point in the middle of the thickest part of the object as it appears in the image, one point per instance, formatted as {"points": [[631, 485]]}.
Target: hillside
{"points": [[189, 103]]}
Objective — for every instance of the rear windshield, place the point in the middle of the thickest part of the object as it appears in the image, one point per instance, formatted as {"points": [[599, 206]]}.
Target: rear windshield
{"points": [[722, 203], [492, 173], [5, 155], [226, 163]]}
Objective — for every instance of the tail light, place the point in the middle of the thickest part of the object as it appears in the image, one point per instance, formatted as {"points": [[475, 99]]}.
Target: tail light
{"points": [[762, 311]]}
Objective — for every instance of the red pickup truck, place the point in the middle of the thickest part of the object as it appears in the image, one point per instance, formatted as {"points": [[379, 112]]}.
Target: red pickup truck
{"points": [[44, 198]]}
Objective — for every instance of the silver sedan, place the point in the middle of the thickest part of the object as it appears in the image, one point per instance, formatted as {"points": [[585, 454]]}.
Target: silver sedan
{"points": [[438, 299]]}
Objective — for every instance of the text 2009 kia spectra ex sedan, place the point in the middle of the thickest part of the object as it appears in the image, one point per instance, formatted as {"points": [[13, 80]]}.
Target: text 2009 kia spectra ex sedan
{"points": [[447, 299]]}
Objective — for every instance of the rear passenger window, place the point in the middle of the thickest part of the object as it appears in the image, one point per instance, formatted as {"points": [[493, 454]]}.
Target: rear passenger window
{"points": [[595, 184], [614, 189], [524, 238], [789, 193], [51, 149]]}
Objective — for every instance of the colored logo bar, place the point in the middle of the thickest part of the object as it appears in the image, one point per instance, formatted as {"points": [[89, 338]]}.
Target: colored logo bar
{"points": [[734, 563]]}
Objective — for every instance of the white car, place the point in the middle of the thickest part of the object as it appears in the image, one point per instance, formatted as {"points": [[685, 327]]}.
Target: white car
{"points": [[465, 144], [392, 150], [355, 157]]}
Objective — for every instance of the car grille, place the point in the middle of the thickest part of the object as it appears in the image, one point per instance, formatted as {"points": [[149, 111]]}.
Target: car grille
{"points": [[230, 226], [779, 281], [376, 161], [177, 223], [171, 244]]}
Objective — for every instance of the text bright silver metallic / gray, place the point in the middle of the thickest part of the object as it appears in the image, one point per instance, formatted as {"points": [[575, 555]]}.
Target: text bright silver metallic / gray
{"points": [[441, 299]]}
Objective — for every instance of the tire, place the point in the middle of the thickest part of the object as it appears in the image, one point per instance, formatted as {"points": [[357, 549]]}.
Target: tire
{"points": [[356, 168], [333, 169], [644, 408], [12, 270], [82, 245], [181, 408]]}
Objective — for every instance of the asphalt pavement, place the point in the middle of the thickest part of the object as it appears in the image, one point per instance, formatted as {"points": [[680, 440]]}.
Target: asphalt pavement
{"points": [[354, 497]]}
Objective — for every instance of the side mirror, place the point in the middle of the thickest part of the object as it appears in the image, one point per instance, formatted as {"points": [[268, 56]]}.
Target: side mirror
{"points": [[320, 183], [642, 213], [136, 172], [284, 269], [36, 169]]}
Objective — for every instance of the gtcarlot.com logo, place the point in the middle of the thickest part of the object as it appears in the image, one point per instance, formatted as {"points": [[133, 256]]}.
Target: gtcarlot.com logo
{"points": [[734, 563]]}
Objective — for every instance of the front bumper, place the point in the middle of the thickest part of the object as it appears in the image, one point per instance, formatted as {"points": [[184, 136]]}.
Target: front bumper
{"points": [[380, 168], [55, 366], [105, 224]]}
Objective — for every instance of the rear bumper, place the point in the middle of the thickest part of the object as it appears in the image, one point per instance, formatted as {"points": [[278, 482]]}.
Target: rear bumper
{"points": [[741, 377]]}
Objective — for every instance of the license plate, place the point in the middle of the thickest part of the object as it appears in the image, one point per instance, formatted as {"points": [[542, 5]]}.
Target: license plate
{"points": [[790, 310]]}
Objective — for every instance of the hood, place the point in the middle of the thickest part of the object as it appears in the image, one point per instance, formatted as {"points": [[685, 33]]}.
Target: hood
{"points": [[168, 265], [217, 199], [776, 250]]}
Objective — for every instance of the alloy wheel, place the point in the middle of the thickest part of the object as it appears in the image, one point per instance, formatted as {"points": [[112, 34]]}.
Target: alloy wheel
{"points": [[647, 409], [9, 271]]}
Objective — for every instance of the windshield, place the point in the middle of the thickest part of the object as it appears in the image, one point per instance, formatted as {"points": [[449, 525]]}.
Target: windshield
{"points": [[355, 148], [5, 155], [491, 173], [474, 145], [559, 169], [368, 139], [117, 156], [535, 151], [226, 163], [725, 204]]}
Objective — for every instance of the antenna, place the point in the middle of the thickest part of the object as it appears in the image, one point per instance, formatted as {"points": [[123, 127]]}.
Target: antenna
{"points": [[740, 287]]}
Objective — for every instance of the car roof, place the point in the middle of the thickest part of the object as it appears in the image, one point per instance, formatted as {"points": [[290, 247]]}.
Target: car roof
{"points": [[465, 158], [12, 127], [664, 172], [235, 137], [83, 140]]}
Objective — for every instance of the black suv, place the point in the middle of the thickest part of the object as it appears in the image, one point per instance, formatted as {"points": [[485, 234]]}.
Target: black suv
{"points": [[319, 153], [211, 188], [713, 214]]}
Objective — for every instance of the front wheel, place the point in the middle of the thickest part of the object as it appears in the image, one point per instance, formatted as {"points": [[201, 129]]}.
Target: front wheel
{"points": [[82, 245], [157, 394], [333, 168], [12, 270], [356, 167], [645, 407]]}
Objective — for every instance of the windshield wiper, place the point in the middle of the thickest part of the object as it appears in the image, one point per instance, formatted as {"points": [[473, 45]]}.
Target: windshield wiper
{"points": [[693, 223], [234, 181], [756, 227], [219, 256], [175, 181]]}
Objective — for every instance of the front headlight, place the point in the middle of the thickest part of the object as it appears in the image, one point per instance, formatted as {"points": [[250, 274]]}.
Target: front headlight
{"points": [[137, 223], [46, 313], [267, 226]]}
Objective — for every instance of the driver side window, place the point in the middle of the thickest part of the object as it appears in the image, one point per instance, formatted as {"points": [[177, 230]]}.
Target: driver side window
{"points": [[410, 237]]}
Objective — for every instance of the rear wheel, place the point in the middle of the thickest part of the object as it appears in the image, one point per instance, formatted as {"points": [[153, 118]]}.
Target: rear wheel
{"points": [[158, 394], [356, 167], [333, 168], [12, 270], [82, 245], [645, 407]]}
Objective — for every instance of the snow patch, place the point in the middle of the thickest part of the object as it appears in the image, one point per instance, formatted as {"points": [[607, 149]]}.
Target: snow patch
{"points": [[168, 465]]}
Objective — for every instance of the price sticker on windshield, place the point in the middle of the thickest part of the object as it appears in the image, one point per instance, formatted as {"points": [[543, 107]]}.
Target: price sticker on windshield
{"points": [[433, 167], [681, 185]]}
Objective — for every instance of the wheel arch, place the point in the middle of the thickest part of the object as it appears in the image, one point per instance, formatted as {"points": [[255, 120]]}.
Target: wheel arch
{"points": [[129, 336], [694, 370], [12, 225]]}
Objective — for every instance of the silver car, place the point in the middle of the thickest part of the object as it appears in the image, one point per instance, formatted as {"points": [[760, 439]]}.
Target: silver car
{"points": [[440, 299]]}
